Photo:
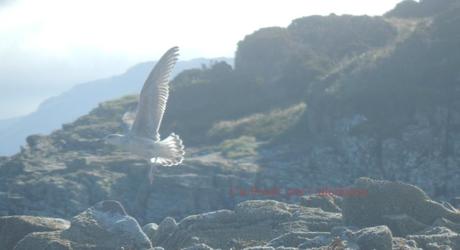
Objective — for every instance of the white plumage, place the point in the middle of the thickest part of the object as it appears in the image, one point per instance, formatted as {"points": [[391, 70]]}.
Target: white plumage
{"points": [[143, 138]]}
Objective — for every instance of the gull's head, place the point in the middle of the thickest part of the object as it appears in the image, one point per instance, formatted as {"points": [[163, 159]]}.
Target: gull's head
{"points": [[114, 139]]}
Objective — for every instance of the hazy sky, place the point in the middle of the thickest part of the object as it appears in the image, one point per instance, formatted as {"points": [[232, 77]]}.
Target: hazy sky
{"points": [[46, 46]]}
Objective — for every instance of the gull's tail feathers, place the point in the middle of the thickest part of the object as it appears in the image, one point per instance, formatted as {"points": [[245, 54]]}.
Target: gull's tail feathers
{"points": [[172, 151]]}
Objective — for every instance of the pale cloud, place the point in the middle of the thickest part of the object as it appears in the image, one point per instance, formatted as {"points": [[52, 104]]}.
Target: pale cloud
{"points": [[144, 28], [58, 43]]}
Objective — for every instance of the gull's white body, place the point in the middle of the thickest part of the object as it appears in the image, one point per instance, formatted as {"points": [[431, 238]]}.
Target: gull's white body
{"points": [[143, 137]]}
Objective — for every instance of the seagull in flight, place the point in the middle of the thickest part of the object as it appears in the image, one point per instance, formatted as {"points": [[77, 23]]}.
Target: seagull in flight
{"points": [[142, 135]]}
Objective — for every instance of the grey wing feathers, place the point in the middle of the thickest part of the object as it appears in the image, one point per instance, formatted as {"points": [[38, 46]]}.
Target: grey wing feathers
{"points": [[154, 96]]}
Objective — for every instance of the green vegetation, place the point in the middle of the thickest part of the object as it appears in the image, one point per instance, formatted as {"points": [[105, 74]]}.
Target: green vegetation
{"points": [[262, 126], [385, 69], [243, 146], [275, 68]]}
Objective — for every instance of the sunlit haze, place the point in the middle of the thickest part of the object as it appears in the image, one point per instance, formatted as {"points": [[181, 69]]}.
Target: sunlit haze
{"points": [[49, 45]]}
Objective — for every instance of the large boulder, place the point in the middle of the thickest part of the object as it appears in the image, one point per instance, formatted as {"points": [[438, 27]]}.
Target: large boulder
{"points": [[404, 208], [150, 230], [403, 224], [252, 223], [378, 238], [14, 228], [103, 226]]}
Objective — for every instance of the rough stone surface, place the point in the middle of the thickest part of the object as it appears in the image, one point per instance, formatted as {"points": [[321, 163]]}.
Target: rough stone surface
{"points": [[14, 228], [437, 238], [103, 226], [165, 230], [402, 225], [387, 199], [250, 224], [200, 246], [296, 239], [253, 224], [326, 202], [378, 238], [150, 230], [448, 224]]}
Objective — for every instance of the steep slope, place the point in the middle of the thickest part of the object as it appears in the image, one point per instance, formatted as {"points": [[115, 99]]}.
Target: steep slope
{"points": [[67, 171], [418, 9], [391, 114]]}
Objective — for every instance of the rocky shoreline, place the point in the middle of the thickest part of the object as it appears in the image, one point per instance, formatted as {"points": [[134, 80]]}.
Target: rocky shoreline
{"points": [[392, 215]]}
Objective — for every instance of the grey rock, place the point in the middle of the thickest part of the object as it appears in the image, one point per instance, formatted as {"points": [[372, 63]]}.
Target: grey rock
{"points": [[318, 241], [209, 219], [50, 241], [150, 230], [270, 248], [14, 228], [456, 202], [165, 230], [405, 244], [379, 238], [402, 225], [255, 221], [385, 198], [259, 248], [326, 202], [200, 246], [314, 219], [437, 238], [103, 226], [343, 232], [256, 210], [295, 239], [448, 224]]}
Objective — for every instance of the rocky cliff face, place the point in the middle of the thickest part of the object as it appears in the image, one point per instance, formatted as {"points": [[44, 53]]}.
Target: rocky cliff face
{"points": [[393, 113], [62, 174]]}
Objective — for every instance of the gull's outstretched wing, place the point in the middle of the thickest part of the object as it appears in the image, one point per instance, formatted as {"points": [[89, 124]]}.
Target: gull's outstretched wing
{"points": [[153, 97]]}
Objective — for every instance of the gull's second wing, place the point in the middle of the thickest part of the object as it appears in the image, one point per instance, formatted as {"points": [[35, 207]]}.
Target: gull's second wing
{"points": [[153, 97], [128, 120]]}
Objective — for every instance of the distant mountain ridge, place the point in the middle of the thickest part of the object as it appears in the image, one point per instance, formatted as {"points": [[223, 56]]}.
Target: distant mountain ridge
{"points": [[79, 100]]}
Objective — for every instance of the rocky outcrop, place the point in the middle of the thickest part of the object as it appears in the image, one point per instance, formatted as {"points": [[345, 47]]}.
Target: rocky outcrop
{"points": [[437, 238], [405, 208], [378, 238], [103, 226], [14, 228], [150, 230], [250, 222], [327, 202], [258, 225]]}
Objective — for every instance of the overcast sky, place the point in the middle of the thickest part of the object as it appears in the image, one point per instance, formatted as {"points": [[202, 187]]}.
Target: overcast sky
{"points": [[46, 46]]}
